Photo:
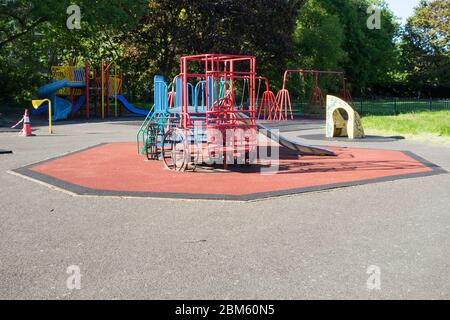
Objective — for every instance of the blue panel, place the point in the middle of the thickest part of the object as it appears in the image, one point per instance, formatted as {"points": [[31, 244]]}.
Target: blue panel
{"points": [[210, 91], [160, 94], [179, 92]]}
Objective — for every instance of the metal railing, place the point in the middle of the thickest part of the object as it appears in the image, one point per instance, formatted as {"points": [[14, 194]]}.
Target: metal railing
{"points": [[385, 106]]}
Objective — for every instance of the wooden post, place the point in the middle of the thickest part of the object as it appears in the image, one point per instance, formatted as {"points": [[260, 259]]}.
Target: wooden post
{"points": [[86, 80], [107, 87]]}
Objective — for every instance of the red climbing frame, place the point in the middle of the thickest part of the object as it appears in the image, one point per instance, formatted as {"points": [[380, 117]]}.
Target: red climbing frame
{"points": [[221, 114]]}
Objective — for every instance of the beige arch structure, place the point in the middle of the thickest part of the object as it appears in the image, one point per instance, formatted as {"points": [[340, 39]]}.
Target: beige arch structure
{"points": [[337, 125]]}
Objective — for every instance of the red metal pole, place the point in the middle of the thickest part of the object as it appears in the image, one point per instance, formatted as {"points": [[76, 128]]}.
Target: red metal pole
{"points": [[102, 88], [231, 84], [95, 92], [252, 83], [184, 92], [107, 88]]}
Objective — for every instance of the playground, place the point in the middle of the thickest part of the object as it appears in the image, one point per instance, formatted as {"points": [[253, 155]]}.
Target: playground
{"points": [[309, 245], [218, 160], [85, 91], [214, 126], [220, 157], [165, 199]]}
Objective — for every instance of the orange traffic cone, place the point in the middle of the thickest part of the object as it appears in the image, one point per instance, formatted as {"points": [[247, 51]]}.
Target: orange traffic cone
{"points": [[26, 129]]}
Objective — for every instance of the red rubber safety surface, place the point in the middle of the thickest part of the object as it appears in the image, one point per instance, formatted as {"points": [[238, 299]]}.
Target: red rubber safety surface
{"points": [[116, 169]]}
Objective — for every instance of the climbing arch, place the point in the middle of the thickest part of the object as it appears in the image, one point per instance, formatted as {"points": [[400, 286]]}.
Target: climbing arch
{"points": [[342, 120]]}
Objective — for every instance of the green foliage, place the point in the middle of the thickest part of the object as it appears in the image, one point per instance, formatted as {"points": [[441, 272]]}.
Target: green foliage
{"points": [[319, 38], [318, 41], [21, 17], [34, 36], [426, 45], [333, 35], [172, 28], [370, 53], [147, 37]]}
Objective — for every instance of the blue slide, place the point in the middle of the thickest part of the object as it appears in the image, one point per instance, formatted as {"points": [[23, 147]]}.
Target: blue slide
{"points": [[130, 107], [79, 103], [61, 107]]}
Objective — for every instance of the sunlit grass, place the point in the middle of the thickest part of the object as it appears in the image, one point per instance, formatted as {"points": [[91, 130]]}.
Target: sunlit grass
{"points": [[431, 122]]}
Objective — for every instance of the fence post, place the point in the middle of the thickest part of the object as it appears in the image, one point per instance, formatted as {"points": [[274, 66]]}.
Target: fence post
{"points": [[395, 106], [361, 102], [431, 104]]}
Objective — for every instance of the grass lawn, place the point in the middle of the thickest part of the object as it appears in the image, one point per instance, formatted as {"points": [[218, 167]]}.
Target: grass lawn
{"points": [[431, 123]]}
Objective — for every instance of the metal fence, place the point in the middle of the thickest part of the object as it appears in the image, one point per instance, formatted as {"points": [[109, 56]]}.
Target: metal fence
{"points": [[388, 106], [398, 106]]}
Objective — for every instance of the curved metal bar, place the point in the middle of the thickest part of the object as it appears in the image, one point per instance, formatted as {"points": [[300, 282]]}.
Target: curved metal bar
{"points": [[200, 86]]}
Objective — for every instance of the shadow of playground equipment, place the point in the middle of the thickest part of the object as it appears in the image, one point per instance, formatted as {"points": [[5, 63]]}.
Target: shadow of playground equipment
{"points": [[320, 137], [349, 166], [291, 163]]}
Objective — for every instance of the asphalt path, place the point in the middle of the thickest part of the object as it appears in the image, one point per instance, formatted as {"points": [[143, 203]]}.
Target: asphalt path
{"points": [[310, 246]]}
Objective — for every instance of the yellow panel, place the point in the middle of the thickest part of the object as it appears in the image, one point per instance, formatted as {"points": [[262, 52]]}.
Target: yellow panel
{"points": [[114, 85]]}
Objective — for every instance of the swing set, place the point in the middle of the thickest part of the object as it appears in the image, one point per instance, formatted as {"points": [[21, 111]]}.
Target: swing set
{"points": [[268, 108], [316, 98]]}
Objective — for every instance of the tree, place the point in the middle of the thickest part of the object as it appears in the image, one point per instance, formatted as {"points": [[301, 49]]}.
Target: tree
{"points": [[19, 18], [333, 35], [426, 45], [318, 41], [319, 38], [173, 28], [371, 53], [34, 36]]}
